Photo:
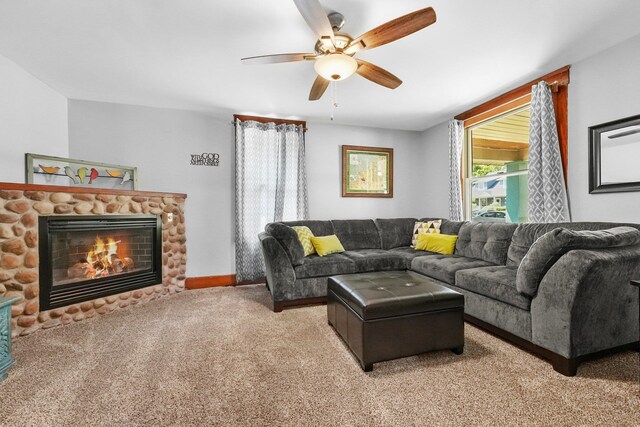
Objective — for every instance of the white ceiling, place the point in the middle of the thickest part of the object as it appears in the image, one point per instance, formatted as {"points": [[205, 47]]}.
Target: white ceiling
{"points": [[186, 54]]}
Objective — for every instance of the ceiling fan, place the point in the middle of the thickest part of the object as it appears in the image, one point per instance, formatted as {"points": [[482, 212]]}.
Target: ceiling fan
{"points": [[335, 50]]}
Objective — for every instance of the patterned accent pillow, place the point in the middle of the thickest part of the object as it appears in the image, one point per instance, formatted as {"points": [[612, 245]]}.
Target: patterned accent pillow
{"points": [[432, 227], [305, 234]]}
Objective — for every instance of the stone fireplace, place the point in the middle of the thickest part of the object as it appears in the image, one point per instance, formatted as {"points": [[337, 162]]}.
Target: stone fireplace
{"points": [[70, 254]]}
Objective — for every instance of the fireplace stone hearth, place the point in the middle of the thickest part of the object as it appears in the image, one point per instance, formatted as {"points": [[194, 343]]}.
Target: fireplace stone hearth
{"points": [[21, 205]]}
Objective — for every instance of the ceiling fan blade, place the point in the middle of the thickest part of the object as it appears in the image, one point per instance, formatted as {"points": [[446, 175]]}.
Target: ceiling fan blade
{"points": [[393, 30], [377, 75], [316, 17], [320, 85], [281, 57]]}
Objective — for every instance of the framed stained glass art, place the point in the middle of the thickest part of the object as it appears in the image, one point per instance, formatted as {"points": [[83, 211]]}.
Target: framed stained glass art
{"points": [[49, 170]]}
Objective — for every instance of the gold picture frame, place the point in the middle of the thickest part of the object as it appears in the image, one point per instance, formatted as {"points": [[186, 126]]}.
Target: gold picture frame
{"points": [[367, 171]]}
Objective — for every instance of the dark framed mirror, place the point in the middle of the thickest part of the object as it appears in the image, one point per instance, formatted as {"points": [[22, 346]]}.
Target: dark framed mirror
{"points": [[614, 156]]}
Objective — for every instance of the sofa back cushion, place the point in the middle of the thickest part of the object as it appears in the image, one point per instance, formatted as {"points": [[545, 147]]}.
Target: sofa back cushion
{"points": [[357, 233], [526, 234], [485, 241], [551, 246], [395, 232], [288, 239], [318, 228], [447, 226]]}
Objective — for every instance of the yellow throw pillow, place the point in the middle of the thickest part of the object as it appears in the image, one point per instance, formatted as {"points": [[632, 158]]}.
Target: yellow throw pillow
{"points": [[304, 235], [425, 227], [439, 243], [326, 245]]}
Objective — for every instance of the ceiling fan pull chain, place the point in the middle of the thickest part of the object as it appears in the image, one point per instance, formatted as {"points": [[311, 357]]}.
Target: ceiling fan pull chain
{"points": [[334, 98]]}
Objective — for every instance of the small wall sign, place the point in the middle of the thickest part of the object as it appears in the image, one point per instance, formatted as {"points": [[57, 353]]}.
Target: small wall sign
{"points": [[205, 159]]}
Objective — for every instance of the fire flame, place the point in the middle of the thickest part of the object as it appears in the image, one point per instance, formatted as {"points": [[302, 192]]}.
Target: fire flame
{"points": [[103, 260], [102, 251]]}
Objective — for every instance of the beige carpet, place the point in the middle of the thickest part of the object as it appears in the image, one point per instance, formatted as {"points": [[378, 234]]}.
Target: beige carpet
{"points": [[221, 357]]}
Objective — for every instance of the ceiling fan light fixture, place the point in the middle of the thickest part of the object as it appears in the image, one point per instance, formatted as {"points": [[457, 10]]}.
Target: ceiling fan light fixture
{"points": [[336, 66]]}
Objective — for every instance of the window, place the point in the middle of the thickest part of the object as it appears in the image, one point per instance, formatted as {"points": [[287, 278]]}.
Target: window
{"points": [[495, 169], [497, 152]]}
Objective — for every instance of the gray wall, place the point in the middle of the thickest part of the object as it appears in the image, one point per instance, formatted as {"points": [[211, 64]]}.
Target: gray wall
{"points": [[159, 142], [324, 164], [33, 119], [435, 192], [603, 87]]}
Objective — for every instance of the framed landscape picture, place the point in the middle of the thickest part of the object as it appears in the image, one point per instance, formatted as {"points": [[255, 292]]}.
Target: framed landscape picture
{"points": [[367, 171]]}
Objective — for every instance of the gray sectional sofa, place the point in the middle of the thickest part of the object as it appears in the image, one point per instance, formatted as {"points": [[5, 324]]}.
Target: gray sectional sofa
{"points": [[579, 306]]}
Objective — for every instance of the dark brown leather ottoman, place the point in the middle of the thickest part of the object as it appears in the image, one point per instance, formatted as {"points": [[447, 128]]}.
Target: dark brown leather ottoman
{"points": [[392, 314]]}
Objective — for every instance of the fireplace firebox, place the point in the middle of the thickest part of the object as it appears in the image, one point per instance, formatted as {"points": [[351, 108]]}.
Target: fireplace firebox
{"points": [[87, 257]]}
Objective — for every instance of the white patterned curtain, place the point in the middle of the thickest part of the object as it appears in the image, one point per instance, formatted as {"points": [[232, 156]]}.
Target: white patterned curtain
{"points": [[456, 140], [547, 192], [270, 186]]}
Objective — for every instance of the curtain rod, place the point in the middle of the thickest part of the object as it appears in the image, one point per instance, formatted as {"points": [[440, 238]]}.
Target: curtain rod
{"points": [[304, 128], [261, 119]]}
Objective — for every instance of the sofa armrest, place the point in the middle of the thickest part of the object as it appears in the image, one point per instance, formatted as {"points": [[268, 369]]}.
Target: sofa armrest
{"points": [[585, 302], [280, 274]]}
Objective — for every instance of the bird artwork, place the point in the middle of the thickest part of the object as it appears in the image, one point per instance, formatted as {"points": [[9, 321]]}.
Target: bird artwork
{"points": [[71, 174], [93, 175], [50, 169], [126, 177], [113, 173], [82, 173]]}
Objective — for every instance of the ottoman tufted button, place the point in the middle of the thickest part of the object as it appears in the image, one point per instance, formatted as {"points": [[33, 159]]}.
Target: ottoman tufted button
{"points": [[408, 285], [381, 288]]}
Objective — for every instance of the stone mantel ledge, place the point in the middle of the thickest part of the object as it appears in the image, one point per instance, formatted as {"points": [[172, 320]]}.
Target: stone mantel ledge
{"points": [[20, 206]]}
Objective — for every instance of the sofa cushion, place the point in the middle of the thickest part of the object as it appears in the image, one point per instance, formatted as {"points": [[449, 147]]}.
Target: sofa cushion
{"points": [[288, 239], [329, 265], [526, 234], [551, 246], [376, 260], [496, 282], [304, 235], [485, 241], [408, 253], [318, 228], [327, 245], [438, 243], [357, 233], [444, 267], [425, 227], [447, 226], [395, 232]]}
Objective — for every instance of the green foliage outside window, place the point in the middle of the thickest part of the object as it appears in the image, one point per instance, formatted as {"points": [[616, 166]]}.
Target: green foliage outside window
{"points": [[482, 170]]}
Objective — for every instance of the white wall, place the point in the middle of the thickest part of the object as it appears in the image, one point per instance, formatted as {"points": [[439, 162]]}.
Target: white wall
{"points": [[324, 164], [603, 88], [159, 142], [33, 119]]}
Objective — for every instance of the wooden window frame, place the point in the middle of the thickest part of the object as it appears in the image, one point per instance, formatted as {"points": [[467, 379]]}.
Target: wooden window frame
{"points": [[516, 98]]}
